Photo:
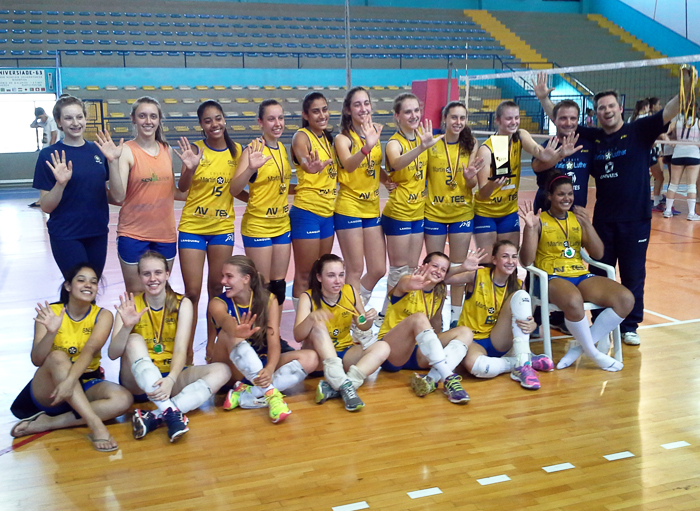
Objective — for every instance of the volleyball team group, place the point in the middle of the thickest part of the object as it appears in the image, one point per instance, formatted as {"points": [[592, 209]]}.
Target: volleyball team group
{"points": [[443, 188]]}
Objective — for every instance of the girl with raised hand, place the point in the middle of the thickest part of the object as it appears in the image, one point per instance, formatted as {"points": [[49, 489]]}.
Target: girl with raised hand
{"points": [[266, 230], [499, 313], [404, 212], [449, 210], [552, 241], [72, 176], [247, 317], [312, 213], [496, 203], [357, 220], [68, 388], [151, 336], [206, 229], [324, 318], [413, 330]]}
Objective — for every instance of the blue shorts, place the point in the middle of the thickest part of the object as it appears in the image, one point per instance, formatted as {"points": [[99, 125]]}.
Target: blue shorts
{"points": [[352, 222], [64, 407], [501, 225], [256, 241], [437, 228], [393, 227], [488, 346], [574, 280], [131, 250], [310, 226], [411, 363], [200, 241]]}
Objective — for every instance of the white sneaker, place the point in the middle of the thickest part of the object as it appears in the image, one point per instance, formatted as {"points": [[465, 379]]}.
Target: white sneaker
{"points": [[631, 338], [667, 213], [692, 217]]}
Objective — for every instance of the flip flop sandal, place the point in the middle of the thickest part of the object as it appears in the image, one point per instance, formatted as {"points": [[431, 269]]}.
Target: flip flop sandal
{"points": [[104, 449], [13, 432]]}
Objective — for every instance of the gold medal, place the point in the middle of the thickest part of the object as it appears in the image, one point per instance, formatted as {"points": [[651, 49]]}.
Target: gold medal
{"points": [[453, 185], [332, 173], [283, 188], [418, 175], [157, 347]]}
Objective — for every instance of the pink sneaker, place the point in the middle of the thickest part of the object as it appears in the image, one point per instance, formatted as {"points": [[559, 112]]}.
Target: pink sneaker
{"points": [[542, 363], [527, 377]]}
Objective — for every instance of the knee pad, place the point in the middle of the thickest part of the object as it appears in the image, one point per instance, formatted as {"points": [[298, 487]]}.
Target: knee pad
{"points": [[356, 376], [279, 289], [395, 273], [334, 373], [483, 368], [246, 360], [520, 305], [288, 375], [430, 346], [193, 396], [672, 187], [693, 188], [145, 373]]}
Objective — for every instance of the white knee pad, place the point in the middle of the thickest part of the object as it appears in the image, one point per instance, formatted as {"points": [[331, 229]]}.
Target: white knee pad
{"points": [[672, 187], [395, 273], [455, 352], [288, 375], [520, 305], [193, 396], [356, 376], [693, 188], [430, 346], [333, 372], [145, 373], [489, 367], [246, 360]]}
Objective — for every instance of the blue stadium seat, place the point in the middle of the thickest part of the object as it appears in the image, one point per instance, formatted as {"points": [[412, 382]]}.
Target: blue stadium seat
{"points": [[101, 23], [119, 32], [35, 22], [277, 45], [35, 53], [173, 53], [221, 54], [88, 41], [182, 34], [50, 13], [157, 53], [35, 32], [185, 43], [17, 53], [137, 42], [134, 32], [150, 33], [105, 42], [154, 43], [118, 23], [169, 43], [70, 52], [130, 14], [232, 45], [247, 45], [18, 31], [69, 32], [53, 41], [88, 52], [86, 32], [217, 44], [204, 16], [70, 41], [121, 43], [202, 43]]}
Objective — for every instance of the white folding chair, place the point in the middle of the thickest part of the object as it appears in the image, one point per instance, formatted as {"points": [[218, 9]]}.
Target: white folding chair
{"points": [[545, 307]]}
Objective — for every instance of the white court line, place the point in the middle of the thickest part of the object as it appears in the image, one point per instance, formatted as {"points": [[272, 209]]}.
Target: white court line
{"points": [[618, 456], [424, 493], [669, 318], [558, 468], [675, 445], [493, 480], [352, 507], [685, 322]]}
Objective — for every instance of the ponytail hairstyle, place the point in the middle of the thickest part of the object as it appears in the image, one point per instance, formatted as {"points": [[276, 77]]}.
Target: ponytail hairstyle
{"points": [[499, 111], [440, 288], [308, 99], [316, 271], [172, 299], [215, 104], [638, 107], [512, 283], [160, 136], [554, 181], [64, 295], [466, 140], [263, 106], [261, 297], [346, 117], [63, 102]]}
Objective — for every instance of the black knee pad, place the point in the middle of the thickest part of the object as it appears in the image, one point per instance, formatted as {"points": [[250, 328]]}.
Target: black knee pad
{"points": [[279, 289]]}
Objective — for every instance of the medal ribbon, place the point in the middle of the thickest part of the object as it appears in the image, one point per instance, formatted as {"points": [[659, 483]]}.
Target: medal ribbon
{"points": [[323, 142], [412, 147], [153, 324], [566, 232], [425, 304], [496, 306], [280, 166], [453, 176], [237, 312]]}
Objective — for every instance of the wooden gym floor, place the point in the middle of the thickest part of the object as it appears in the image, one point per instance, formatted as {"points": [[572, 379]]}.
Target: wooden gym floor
{"points": [[323, 457]]}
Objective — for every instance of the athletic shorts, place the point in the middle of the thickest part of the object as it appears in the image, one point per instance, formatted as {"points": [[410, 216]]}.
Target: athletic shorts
{"points": [[438, 228], [393, 227], [488, 346], [131, 250], [685, 162], [574, 280], [411, 363], [352, 222], [310, 226], [256, 241], [500, 225], [201, 241], [87, 381]]}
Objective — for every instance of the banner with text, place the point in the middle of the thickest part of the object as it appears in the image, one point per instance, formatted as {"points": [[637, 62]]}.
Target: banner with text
{"points": [[32, 81]]}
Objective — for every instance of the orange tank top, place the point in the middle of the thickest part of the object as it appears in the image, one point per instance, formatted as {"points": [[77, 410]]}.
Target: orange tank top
{"points": [[148, 211]]}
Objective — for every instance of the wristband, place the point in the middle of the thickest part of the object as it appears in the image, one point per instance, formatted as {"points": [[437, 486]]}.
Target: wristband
{"points": [[364, 151]]}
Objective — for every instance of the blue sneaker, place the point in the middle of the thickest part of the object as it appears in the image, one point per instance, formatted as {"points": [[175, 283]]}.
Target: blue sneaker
{"points": [[143, 422], [177, 423], [454, 391]]}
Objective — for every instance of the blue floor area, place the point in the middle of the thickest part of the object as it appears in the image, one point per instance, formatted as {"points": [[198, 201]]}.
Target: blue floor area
{"points": [[19, 193]]}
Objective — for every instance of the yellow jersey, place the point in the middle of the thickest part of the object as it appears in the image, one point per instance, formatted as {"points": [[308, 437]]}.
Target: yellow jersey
{"points": [[481, 308], [342, 310], [74, 333], [559, 249], [449, 198], [267, 212], [504, 200], [407, 201], [316, 193], [209, 205], [359, 190], [158, 330], [408, 304]]}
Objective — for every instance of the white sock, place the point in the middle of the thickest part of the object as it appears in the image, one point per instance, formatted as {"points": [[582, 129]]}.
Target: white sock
{"points": [[455, 351], [247, 362], [521, 349], [356, 376], [455, 312], [657, 200], [582, 333], [521, 309], [490, 367], [429, 344], [669, 204], [146, 374], [691, 206], [605, 323], [365, 294], [333, 372], [193, 396], [575, 351]]}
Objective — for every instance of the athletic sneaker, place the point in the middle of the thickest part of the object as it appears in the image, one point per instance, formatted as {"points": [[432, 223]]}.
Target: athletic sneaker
{"points": [[422, 385], [675, 211], [527, 377], [143, 422], [692, 217], [324, 392], [659, 208], [177, 423], [542, 363], [453, 324], [352, 402], [631, 338], [233, 398], [454, 391], [667, 214], [278, 408]]}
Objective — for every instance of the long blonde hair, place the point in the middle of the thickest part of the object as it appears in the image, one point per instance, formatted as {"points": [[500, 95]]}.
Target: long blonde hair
{"points": [[261, 296], [172, 299], [160, 134]]}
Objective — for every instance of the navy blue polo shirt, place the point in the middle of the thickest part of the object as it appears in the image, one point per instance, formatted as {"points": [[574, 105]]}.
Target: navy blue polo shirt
{"points": [[576, 167]]}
